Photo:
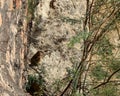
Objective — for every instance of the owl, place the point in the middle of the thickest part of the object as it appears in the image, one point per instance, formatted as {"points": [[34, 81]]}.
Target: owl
{"points": [[36, 58]]}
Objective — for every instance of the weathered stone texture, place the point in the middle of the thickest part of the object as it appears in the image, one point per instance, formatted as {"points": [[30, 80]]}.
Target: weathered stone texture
{"points": [[51, 32], [57, 21]]}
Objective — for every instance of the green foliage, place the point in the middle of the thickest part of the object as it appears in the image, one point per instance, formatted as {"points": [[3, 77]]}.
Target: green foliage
{"points": [[74, 40], [72, 74], [58, 85], [35, 85], [107, 90], [102, 21], [70, 20], [77, 93], [78, 38], [114, 65], [99, 73], [104, 47], [31, 9], [31, 6], [75, 83]]}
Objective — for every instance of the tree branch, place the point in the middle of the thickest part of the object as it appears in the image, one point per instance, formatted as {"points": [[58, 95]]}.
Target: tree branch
{"points": [[107, 79]]}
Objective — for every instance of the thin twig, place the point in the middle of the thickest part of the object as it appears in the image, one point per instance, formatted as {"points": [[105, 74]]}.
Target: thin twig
{"points": [[87, 70], [90, 9], [107, 81], [87, 15]]}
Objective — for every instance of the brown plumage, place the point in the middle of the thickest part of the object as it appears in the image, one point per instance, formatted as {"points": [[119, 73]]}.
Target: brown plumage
{"points": [[36, 58]]}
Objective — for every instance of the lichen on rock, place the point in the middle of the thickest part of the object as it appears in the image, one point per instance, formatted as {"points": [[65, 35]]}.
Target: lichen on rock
{"points": [[53, 27]]}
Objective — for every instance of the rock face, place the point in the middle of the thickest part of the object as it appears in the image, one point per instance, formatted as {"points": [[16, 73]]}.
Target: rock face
{"points": [[54, 25], [50, 31], [12, 47]]}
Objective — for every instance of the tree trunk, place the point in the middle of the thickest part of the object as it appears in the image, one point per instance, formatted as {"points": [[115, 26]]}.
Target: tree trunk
{"points": [[13, 48]]}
